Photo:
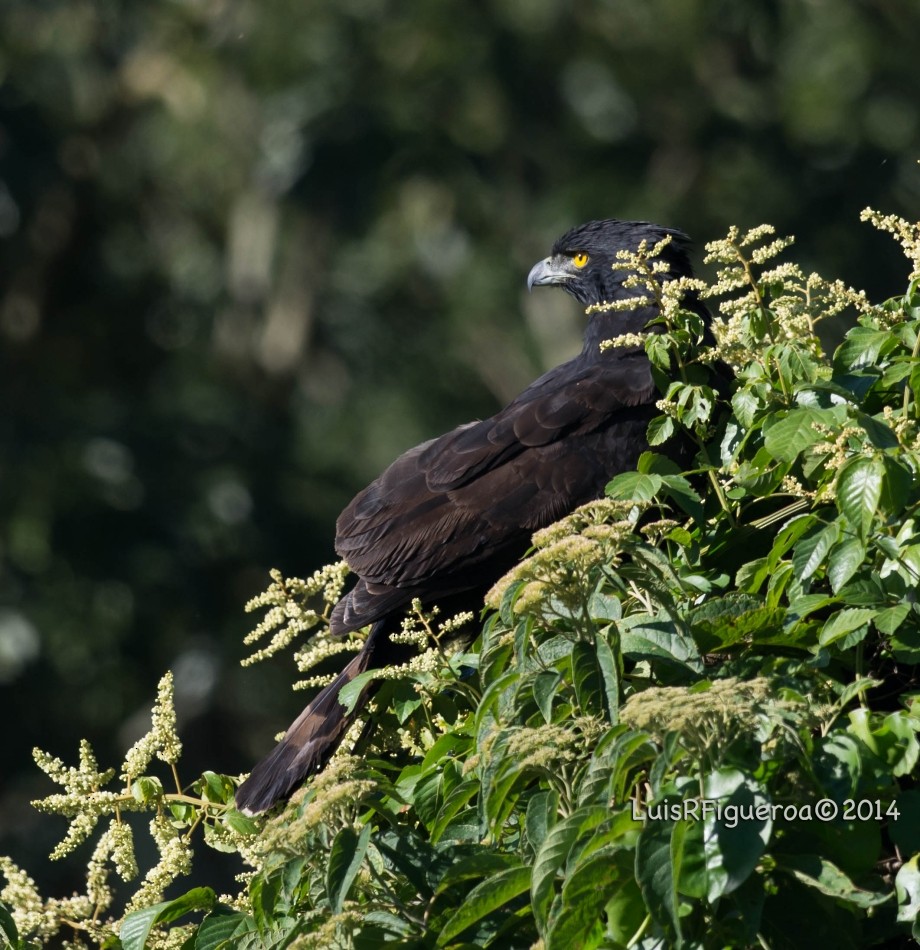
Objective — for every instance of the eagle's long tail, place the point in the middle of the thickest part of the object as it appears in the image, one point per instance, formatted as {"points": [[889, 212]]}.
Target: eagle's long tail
{"points": [[313, 736]]}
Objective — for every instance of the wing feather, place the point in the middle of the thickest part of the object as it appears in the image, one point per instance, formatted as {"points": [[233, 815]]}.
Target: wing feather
{"points": [[442, 507]]}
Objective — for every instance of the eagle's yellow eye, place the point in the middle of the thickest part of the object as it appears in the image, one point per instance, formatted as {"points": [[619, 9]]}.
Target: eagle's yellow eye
{"points": [[580, 259]]}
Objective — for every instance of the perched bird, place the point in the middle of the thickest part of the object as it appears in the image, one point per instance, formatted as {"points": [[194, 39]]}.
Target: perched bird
{"points": [[452, 515]]}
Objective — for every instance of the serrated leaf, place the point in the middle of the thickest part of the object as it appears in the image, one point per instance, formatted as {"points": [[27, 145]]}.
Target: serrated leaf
{"points": [[240, 823], [819, 873], [859, 489], [146, 789], [580, 922], [218, 787], [812, 549], [724, 621], [634, 486], [656, 463], [786, 438], [218, 929], [483, 899], [553, 855], [544, 689], [880, 434], [846, 557], [604, 607], [587, 679], [456, 800], [844, 622], [889, 619], [897, 485], [660, 429], [659, 853], [659, 640], [345, 859], [862, 346], [540, 817], [610, 673], [136, 926], [893, 740], [852, 690], [745, 405], [263, 896], [480, 864]]}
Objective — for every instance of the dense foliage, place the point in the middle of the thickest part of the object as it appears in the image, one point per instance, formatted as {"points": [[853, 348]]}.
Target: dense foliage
{"points": [[691, 719], [235, 236]]}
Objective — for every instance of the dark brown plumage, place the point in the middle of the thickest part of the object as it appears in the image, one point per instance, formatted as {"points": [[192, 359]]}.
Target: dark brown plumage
{"points": [[450, 516]]}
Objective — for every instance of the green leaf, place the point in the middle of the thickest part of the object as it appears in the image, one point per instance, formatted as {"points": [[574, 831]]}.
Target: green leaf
{"points": [[634, 486], [724, 621], [589, 686], [859, 489], [897, 486], [907, 889], [659, 852], [844, 622], [457, 799], [483, 899], [240, 823], [482, 863], [905, 830], [580, 922], [905, 643], [681, 491], [732, 846], [604, 607], [345, 859], [745, 405], [659, 640], [540, 817], [819, 873], [893, 740], [610, 673], [625, 911], [264, 890], [136, 927], [788, 437], [813, 548], [660, 429], [654, 462], [889, 619], [147, 789], [862, 346], [217, 788], [553, 854], [544, 689], [846, 558], [837, 762], [219, 928], [8, 927], [880, 434]]}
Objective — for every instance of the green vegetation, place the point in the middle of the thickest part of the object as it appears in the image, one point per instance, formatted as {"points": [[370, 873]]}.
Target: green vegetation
{"points": [[691, 719], [235, 238]]}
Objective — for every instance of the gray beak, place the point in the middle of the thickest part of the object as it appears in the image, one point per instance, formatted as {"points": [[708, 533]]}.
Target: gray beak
{"points": [[542, 273]]}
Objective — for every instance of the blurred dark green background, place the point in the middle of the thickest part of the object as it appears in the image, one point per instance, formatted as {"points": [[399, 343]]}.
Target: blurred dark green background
{"points": [[250, 251]]}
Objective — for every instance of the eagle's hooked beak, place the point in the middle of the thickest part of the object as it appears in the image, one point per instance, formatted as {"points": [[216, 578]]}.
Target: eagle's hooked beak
{"points": [[546, 271]]}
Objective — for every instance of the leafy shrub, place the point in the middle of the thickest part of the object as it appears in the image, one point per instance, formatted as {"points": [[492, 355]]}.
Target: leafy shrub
{"points": [[691, 718]]}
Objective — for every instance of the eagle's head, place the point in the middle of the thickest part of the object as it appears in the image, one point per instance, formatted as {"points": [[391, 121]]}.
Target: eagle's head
{"points": [[581, 261]]}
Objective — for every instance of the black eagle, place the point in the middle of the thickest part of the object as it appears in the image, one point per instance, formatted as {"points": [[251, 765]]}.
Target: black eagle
{"points": [[452, 515]]}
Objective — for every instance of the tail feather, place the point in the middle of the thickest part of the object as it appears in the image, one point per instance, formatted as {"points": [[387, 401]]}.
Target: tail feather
{"points": [[309, 742]]}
